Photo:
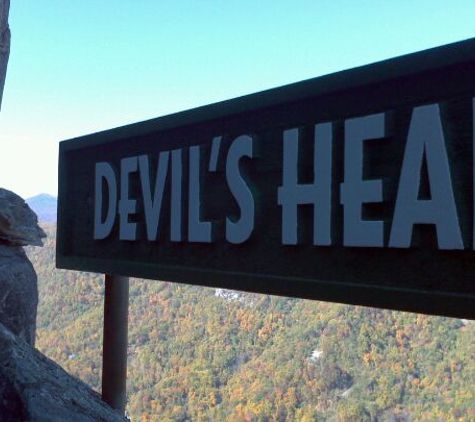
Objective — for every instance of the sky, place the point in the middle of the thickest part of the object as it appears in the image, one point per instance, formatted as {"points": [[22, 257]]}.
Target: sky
{"points": [[78, 67]]}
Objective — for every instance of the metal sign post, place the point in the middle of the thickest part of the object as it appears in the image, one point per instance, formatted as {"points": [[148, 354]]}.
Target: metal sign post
{"points": [[114, 354]]}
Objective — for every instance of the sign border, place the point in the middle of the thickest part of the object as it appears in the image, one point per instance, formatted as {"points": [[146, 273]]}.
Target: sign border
{"points": [[437, 303]]}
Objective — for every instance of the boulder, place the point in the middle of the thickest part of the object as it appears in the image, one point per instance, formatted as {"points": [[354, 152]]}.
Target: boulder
{"points": [[18, 223], [18, 282], [18, 293], [34, 388]]}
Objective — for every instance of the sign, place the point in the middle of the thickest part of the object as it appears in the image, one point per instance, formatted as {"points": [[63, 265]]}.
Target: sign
{"points": [[356, 187]]}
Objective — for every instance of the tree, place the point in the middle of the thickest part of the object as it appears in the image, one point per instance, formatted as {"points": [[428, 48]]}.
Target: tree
{"points": [[4, 43]]}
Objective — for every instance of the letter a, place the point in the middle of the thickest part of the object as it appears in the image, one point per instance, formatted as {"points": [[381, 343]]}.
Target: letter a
{"points": [[426, 134]]}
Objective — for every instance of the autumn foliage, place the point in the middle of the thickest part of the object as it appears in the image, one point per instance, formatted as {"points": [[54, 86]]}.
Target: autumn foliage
{"points": [[203, 354]]}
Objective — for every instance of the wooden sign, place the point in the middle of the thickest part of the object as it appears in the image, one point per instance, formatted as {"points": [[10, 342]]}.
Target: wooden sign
{"points": [[356, 187]]}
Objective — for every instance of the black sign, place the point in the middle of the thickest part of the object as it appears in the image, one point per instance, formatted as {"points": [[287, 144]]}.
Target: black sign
{"points": [[356, 187]]}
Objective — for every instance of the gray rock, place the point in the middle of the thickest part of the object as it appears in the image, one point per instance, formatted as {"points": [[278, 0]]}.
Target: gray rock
{"points": [[18, 223], [33, 388], [18, 293]]}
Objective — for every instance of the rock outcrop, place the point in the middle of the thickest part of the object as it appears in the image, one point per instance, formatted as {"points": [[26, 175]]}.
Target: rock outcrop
{"points": [[18, 282], [18, 223], [33, 388], [18, 293]]}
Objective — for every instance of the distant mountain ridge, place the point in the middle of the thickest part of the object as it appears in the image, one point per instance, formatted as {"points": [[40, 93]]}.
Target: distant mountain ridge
{"points": [[44, 206]]}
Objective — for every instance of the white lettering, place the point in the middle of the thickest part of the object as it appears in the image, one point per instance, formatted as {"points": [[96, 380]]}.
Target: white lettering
{"points": [[355, 191], [177, 175], [240, 230], [198, 231], [102, 229], [426, 134], [127, 206], [291, 193], [153, 205]]}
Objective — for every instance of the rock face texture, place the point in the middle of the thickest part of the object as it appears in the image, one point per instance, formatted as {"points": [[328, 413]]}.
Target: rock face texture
{"points": [[33, 388], [18, 223], [18, 283], [18, 293]]}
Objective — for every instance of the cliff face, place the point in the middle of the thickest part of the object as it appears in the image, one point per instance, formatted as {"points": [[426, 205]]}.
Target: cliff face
{"points": [[18, 293], [18, 283], [32, 387]]}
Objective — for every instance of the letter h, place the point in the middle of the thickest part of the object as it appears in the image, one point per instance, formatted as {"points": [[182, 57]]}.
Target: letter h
{"points": [[292, 194]]}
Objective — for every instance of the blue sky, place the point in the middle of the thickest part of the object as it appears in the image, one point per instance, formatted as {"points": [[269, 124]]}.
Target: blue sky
{"points": [[77, 67]]}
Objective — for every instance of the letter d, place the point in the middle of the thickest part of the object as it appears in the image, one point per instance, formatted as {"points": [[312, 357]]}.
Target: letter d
{"points": [[102, 229]]}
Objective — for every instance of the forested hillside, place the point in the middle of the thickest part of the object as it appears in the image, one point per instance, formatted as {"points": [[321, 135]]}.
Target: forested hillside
{"points": [[203, 354]]}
